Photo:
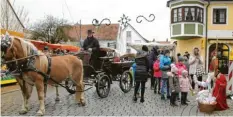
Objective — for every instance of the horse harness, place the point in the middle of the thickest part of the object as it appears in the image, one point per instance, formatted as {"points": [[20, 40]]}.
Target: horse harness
{"points": [[26, 64], [29, 65]]}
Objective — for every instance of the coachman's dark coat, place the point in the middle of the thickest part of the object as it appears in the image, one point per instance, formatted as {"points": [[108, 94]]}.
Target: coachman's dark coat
{"points": [[93, 43], [142, 68]]}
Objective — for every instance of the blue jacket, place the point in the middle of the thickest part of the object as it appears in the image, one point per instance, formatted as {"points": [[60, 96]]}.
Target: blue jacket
{"points": [[134, 67], [164, 61]]}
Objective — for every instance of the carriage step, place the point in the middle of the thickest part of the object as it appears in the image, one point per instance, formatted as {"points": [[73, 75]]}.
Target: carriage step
{"points": [[88, 84], [99, 72]]}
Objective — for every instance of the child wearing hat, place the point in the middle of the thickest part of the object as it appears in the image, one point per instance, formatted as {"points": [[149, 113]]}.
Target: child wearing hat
{"points": [[185, 86], [181, 66], [174, 84]]}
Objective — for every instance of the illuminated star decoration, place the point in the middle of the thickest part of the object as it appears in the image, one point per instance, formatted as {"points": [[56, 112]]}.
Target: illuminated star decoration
{"points": [[124, 21]]}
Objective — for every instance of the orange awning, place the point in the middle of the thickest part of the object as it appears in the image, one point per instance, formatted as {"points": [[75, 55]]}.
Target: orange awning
{"points": [[41, 44]]}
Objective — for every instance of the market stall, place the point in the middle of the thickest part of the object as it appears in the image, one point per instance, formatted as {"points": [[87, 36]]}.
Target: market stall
{"points": [[6, 78]]}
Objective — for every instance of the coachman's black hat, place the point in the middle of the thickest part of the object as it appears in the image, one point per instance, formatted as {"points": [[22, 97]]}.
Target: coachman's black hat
{"points": [[89, 31]]}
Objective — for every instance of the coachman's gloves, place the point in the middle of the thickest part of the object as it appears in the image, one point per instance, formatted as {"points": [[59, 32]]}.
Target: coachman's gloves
{"points": [[90, 49]]}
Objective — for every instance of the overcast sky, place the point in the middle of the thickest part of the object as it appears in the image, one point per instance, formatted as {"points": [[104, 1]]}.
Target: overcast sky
{"points": [[87, 10]]}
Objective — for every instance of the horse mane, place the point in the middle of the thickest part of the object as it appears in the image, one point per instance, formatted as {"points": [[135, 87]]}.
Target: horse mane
{"points": [[30, 49], [27, 47]]}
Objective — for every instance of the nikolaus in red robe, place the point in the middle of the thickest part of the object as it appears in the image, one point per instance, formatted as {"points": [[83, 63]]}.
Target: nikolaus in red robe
{"points": [[219, 92]]}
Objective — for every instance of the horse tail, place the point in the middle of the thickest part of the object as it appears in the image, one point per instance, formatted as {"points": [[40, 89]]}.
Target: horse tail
{"points": [[81, 64]]}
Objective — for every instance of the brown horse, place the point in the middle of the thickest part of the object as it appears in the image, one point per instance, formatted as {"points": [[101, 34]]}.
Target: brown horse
{"points": [[62, 67]]}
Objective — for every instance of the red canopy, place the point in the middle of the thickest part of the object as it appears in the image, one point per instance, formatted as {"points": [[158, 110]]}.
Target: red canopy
{"points": [[41, 44]]}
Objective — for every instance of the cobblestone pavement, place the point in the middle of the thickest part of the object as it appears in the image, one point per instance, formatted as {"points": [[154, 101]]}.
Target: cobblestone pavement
{"points": [[116, 104]]}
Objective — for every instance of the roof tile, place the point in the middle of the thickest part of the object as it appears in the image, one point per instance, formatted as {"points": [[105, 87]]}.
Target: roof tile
{"points": [[104, 32]]}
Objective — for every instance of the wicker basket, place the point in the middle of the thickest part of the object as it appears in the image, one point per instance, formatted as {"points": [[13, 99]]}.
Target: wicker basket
{"points": [[207, 108]]}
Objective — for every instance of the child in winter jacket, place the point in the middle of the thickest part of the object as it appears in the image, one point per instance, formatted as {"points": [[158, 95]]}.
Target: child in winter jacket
{"points": [[134, 66], [184, 87], [181, 66], [174, 84], [157, 75]]}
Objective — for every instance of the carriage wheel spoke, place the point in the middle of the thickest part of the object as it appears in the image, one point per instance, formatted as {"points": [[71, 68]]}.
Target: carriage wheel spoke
{"points": [[125, 81], [126, 86], [104, 92]]}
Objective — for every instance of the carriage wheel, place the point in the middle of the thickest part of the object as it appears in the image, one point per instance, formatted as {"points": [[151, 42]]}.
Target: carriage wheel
{"points": [[126, 81], [70, 86], [103, 86]]}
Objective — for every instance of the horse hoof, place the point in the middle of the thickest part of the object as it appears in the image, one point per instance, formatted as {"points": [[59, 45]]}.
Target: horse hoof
{"points": [[24, 111], [39, 113], [82, 103], [57, 99]]}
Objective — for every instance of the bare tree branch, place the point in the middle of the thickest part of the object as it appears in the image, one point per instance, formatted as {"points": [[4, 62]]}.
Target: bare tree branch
{"points": [[8, 18], [51, 29]]}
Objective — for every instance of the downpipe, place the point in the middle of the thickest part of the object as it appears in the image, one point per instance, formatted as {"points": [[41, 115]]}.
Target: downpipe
{"points": [[206, 35]]}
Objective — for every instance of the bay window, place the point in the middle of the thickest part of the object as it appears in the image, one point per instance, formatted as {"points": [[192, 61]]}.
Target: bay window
{"points": [[175, 15], [180, 14], [187, 14]]}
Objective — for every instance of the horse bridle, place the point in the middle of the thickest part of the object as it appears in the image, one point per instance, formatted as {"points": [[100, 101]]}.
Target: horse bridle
{"points": [[7, 44]]}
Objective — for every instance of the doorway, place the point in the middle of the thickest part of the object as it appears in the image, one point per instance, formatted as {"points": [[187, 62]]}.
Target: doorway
{"points": [[223, 56]]}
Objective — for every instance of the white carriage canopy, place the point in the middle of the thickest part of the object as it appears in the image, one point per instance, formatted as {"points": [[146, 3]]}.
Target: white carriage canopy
{"points": [[138, 46]]}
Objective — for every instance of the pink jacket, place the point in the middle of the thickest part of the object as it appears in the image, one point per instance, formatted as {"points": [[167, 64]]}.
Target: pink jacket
{"points": [[157, 71], [184, 84], [180, 67]]}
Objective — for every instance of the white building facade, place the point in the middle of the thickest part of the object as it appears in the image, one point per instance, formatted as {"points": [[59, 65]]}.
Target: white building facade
{"points": [[129, 35]]}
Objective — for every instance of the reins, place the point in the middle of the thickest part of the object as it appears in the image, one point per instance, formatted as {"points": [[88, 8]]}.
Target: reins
{"points": [[21, 58], [30, 67]]}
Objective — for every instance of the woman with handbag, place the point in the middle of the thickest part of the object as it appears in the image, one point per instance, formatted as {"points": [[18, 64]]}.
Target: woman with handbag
{"points": [[196, 66]]}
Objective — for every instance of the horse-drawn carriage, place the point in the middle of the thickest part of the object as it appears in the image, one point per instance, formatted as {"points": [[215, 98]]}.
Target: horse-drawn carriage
{"points": [[109, 71]]}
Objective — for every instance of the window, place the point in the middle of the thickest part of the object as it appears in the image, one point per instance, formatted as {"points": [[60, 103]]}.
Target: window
{"points": [[199, 15], [180, 14], [128, 50], [112, 45], [175, 15], [128, 34], [188, 14], [219, 16]]}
